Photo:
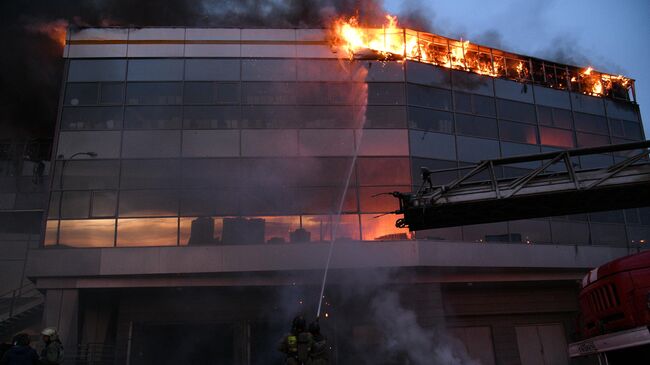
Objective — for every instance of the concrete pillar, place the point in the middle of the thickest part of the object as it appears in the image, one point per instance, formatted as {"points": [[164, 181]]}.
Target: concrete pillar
{"points": [[62, 311]]}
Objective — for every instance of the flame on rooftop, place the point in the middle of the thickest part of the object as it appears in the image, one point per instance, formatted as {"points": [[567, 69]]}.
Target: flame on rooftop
{"points": [[390, 42]]}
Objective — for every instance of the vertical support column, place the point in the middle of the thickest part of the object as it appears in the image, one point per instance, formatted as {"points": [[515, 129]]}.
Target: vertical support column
{"points": [[62, 312], [241, 343]]}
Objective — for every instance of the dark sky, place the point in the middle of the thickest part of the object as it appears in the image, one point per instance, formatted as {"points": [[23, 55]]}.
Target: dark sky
{"points": [[612, 36]]}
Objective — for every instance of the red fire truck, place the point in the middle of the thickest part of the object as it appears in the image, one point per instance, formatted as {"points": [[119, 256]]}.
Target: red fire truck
{"points": [[615, 312]]}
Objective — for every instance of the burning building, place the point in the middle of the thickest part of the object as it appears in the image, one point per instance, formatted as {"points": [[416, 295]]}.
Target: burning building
{"points": [[199, 172]]}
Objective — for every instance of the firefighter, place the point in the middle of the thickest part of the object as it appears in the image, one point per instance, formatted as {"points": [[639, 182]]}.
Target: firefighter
{"points": [[319, 351], [297, 345], [52, 354]]}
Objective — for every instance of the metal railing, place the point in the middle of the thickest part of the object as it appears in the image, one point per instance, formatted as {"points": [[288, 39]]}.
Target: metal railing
{"points": [[18, 300]]}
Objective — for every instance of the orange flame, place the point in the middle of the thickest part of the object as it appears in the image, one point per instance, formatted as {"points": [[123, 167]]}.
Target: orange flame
{"points": [[392, 42], [56, 30]]}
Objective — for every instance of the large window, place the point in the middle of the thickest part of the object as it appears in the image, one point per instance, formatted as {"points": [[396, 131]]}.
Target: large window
{"points": [[211, 117], [430, 120], [91, 118], [476, 126], [154, 93], [432, 145], [155, 70], [96, 70], [212, 70], [519, 112], [213, 93], [153, 117], [429, 97]]}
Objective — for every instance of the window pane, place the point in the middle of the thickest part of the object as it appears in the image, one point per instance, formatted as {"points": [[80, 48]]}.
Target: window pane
{"points": [[489, 232], [591, 123], [612, 216], [516, 111], [269, 143], [325, 70], [513, 90], [472, 83], [91, 118], [268, 70], [632, 130], [430, 120], [385, 117], [155, 93], [326, 200], [328, 117], [385, 93], [530, 231], [147, 232], [211, 93], [211, 69], [87, 233], [518, 132], [104, 144], [210, 202], [562, 118], [383, 71], [97, 70], [372, 199], [608, 234], [81, 94], [269, 117], [148, 203], [373, 171], [383, 142], [326, 142], [210, 173], [516, 149], [283, 93], [591, 140], [324, 171], [111, 93], [75, 204], [382, 229], [211, 117], [476, 149], [420, 73], [320, 93], [570, 233], [153, 117], [211, 143], [439, 178], [476, 126], [484, 105], [151, 144], [429, 97], [622, 110], [556, 137], [155, 70], [463, 102], [104, 204], [138, 174], [588, 104], [551, 97], [87, 174], [432, 145]]}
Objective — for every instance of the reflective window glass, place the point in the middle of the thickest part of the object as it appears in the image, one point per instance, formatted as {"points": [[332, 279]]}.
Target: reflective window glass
{"points": [[385, 93], [211, 117], [517, 132], [212, 69], [272, 172], [211, 143], [591, 140], [587, 104], [556, 137], [269, 117], [373, 171], [622, 110], [513, 90], [595, 161], [632, 216], [267, 200], [553, 117], [608, 234], [551, 97], [429, 97], [327, 117], [210, 173], [325, 200], [488, 232], [463, 102], [106, 144], [211, 93], [103, 204], [432, 145], [476, 149], [139, 174], [382, 228], [96, 70], [96, 174], [147, 232], [326, 142], [155, 70], [326, 70], [81, 94], [382, 142], [519, 112], [473, 83], [430, 120], [530, 231], [269, 142], [385, 117], [151, 144], [372, 199], [111, 93], [324, 171], [223, 201], [612, 216], [437, 178], [154, 93], [75, 204], [321, 93], [153, 117], [87, 233], [632, 130], [570, 233], [268, 70], [383, 71], [91, 118], [148, 203], [476, 126], [517, 149], [421, 73], [591, 123], [283, 93]]}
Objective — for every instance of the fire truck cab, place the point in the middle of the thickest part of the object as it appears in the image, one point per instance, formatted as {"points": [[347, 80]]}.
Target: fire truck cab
{"points": [[614, 303]]}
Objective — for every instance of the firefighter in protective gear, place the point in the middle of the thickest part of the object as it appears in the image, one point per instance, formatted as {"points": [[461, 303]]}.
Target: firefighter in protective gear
{"points": [[297, 345], [319, 351], [52, 354]]}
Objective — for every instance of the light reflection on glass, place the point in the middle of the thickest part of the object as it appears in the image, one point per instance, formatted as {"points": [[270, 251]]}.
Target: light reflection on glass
{"points": [[382, 228], [87, 233], [147, 232], [51, 228]]}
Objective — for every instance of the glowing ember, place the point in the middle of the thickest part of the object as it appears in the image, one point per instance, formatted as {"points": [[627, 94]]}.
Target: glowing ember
{"points": [[389, 42]]}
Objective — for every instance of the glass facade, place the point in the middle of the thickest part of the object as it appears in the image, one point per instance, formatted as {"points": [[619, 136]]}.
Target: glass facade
{"points": [[252, 151]]}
